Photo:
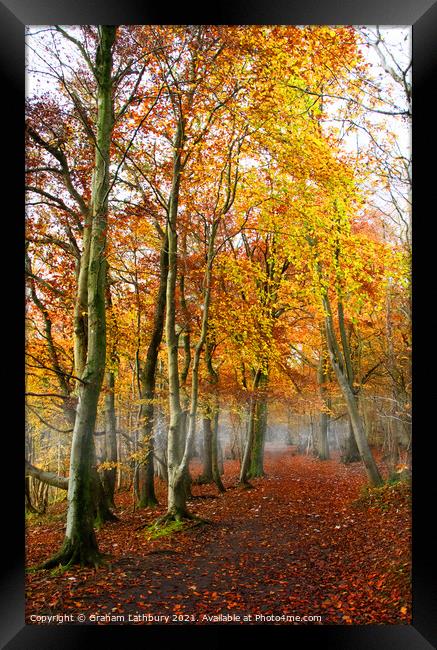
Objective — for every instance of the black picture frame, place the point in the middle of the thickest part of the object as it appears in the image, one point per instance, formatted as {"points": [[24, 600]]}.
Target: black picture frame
{"points": [[14, 15]]}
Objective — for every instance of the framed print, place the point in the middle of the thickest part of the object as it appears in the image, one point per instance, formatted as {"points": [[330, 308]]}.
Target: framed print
{"points": [[224, 254]]}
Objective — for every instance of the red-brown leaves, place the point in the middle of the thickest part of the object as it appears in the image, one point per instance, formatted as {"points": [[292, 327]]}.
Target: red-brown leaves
{"points": [[297, 544]]}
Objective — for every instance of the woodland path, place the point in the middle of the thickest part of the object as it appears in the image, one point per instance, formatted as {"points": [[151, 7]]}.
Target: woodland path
{"points": [[296, 544]]}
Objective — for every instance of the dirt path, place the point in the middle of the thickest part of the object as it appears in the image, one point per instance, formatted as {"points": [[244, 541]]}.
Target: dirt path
{"points": [[294, 545]]}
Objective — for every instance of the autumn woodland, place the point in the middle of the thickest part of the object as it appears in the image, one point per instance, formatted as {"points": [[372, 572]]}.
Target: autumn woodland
{"points": [[218, 324]]}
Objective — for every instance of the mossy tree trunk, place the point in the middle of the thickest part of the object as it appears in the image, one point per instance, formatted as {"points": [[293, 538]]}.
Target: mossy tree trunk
{"points": [[256, 468], [245, 463], [352, 452], [80, 545]]}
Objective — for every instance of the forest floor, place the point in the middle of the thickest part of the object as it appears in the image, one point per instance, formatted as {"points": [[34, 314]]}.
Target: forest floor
{"points": [[306, 541]]}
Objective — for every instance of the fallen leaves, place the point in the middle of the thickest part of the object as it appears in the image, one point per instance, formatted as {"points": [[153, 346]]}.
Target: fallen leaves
{"points": [[352, 567]]}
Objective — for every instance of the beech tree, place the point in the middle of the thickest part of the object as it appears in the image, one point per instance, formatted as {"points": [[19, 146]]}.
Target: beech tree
{"points": [[80, 545]]}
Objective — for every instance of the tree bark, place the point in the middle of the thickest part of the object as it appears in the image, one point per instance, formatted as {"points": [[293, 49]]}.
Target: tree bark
{"points": [[256, 468], [216, 473], [101, 499], [244, 469], [351, 452], [339, 368], [46, 477], [176, 506], [147, 386], [245, 463], [80, 544], [206, 476], [109, 475], [322, 378]]}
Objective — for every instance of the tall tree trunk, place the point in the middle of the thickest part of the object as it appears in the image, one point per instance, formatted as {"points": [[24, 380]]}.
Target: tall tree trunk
{"points": [[108, 476], [340, 369], [245, 463], [147, 386], [185, 337], [28, 498], [256, 468], [176, 506], [252, 463], [206, 476], [213, 416], [80, 545], [351, 453], [322, 378], [194, 399], [216, 469], [178, 470], [101, 500]]}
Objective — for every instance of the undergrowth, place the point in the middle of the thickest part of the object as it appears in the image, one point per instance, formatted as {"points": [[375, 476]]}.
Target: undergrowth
{"points": [[153, 532], [393, 492]]}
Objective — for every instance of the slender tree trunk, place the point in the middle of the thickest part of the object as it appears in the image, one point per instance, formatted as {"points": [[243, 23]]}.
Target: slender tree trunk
{"points": [[109, 475], [194, 401], [80, 545], [351, 452], [245, 468], [322, 378], [339, 368], [256, 468], [216, 473], [101, 499], [213, 415], [220, 456], [245, 463], [206, 476], [178, 471], [290, 433], [80, 322], [185, 337], [119, 469], [176, 506], [28, 498], [147, 386]]}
